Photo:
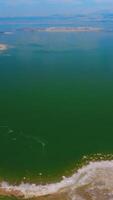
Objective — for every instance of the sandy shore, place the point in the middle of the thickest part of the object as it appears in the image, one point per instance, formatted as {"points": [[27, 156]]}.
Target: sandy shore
{"points": [[3, 47]]}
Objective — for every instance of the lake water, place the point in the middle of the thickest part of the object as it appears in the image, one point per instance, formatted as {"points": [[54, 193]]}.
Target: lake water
{"points": [[56, 100]]}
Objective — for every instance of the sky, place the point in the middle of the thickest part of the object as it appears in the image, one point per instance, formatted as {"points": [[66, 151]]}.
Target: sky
{"points": [[12, 8]]}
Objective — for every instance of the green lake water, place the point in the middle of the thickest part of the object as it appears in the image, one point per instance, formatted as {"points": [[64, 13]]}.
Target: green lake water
{"points": [[56, 101]]}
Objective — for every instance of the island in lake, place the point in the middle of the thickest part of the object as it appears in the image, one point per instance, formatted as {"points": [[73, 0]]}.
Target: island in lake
{"points": [[64, 29], [72, 29]]}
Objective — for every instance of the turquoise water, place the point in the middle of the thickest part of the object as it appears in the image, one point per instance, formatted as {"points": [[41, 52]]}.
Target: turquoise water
{"points": [[56, 100]]}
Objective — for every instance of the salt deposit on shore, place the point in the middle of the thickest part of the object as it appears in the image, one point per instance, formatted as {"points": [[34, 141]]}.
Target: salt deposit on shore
{"points": [[93, 181]]}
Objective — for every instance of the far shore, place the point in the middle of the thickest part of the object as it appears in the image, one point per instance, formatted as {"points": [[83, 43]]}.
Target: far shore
{"points": [[64, 29], [76, 29]]}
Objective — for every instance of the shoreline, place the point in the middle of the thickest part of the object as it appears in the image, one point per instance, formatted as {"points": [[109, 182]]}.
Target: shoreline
{"points": [[84, 182], [89, 182], [56, 176]]}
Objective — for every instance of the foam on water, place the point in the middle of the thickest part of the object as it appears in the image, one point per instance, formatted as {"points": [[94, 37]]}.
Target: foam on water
{"points": [[94, 173]]}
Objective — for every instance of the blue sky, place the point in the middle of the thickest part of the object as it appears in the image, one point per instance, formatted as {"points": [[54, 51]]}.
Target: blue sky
{"points": [[50, 7]]}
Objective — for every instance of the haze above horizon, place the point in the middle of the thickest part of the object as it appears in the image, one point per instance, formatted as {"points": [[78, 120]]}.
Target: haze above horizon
{"points": [[22, 8]]}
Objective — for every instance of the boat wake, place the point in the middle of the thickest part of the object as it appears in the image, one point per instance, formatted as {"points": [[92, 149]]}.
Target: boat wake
{"points": [[93, 181]]}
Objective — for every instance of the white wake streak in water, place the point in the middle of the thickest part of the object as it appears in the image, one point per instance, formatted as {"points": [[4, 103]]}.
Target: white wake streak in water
{"points": [[83, 176]]}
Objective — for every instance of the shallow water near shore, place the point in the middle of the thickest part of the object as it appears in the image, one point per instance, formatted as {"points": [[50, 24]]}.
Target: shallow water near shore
{"points": [[56, 102]]}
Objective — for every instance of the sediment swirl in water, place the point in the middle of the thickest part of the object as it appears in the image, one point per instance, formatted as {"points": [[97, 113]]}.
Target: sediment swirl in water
{"points": [[93, 181]]}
